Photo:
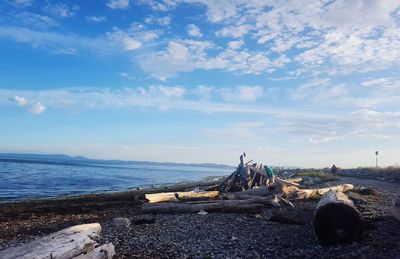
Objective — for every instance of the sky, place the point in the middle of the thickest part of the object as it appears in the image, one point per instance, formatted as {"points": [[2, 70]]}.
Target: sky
{"points": [[291, 83]]}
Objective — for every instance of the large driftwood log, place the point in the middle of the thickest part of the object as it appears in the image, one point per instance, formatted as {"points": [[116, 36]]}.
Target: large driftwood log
{"points": [[262, 191], [294, 192], [66, 243], [235, 206], [336, 219], [286, 182], [177, 196]]}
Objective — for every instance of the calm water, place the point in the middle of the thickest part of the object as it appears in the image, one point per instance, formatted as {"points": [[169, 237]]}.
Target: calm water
{"points": [[25, 180]]}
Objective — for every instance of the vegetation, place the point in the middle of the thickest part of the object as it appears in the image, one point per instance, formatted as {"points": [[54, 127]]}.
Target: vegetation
{"points": [[323, 177]]}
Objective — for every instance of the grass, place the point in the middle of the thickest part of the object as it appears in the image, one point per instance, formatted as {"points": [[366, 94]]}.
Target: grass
{"points": [[324, 177], [391, 173]]}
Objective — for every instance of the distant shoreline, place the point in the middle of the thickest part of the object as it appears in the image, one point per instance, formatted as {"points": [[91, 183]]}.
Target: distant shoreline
{"points": [[79, 160], [133, 191]]}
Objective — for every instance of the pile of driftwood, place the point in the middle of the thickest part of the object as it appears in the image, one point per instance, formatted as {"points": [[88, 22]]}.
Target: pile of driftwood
{"points": [[335, 220], [78, 242]]}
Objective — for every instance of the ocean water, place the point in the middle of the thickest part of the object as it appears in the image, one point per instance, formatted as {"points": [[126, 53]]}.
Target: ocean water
{"points": [[20, 181]]}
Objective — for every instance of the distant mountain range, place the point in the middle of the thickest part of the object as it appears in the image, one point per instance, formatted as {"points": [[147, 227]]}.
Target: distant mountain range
{"points": [[80, 160]]}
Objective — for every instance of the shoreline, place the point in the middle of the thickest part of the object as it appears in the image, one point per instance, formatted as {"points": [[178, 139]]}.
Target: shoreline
{"points": [[134, 193], [214, 235], [206, 181]]}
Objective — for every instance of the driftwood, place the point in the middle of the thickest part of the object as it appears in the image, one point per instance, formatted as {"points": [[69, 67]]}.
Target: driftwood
{"points": [[102, 252], [286, 182], [177, 196], [294, 192], [262, 191], [194, 208], [295, 180], [67, 243], [336, 219], [251, 205]]}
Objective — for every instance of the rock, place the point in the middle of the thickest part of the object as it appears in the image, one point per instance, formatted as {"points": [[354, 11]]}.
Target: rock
{"points": [[122, 222], [202, 212]]}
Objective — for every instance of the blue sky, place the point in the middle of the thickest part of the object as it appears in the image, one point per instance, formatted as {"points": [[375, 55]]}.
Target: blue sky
{"points": [[303, 83]]}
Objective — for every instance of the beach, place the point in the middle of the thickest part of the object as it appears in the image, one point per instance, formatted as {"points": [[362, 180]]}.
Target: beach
{"points": [[274, 233]]}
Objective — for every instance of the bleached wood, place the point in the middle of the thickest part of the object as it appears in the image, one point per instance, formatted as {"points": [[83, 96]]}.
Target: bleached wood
{"points": [[295, 180], [313, 193], [286, 182], [178, 196], [261, 191], [66, 243], [106, 251]]}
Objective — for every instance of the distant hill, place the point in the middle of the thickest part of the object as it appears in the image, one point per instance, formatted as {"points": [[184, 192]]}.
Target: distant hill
{"points": [[80, 160]]}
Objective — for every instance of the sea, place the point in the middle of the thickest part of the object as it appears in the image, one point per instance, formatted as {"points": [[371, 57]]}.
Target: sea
{"points": [[25, 180]]}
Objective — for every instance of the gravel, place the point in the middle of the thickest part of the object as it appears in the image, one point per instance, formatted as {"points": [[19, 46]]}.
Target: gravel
{"points": [[216, 235]]}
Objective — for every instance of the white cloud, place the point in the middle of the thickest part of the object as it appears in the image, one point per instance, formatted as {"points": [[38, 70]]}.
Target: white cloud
{"points": [[61, 10], [178, 51], [65, 51], [21, 101], [53, 41], [163, 21], [383, 82], [162, 5], [132, 38], [242, 93], [203, 92], [193, 30], [38, 108], [118, 4], [218, 11], [36, 20], [181, 56], [307, 39], [236, 44], [176, 97], [96, 19], [22, 3], [188, 55], [170, 91], [234, 31]]}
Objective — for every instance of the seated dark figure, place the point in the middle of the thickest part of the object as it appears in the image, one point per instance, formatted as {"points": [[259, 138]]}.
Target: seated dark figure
{"points": [[334, 170]]}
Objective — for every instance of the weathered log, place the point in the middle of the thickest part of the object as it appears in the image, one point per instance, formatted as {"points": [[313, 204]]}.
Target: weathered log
{"points": [[66, 243], [262, 191], [284, 200], [336, 219], [295, 180], [314, 193], [177, 196], [286, 182], [271, 200], [106, 251], [239, 206]]}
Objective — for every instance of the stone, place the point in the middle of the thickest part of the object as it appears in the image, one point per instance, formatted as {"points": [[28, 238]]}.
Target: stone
{"points": [[122, 222]]}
